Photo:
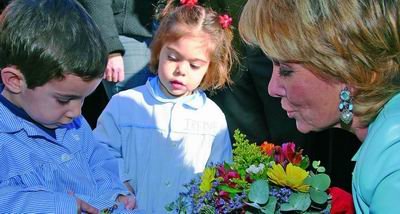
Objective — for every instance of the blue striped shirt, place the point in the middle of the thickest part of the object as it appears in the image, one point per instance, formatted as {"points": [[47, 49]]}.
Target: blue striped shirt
{"points": [[37, 171]]}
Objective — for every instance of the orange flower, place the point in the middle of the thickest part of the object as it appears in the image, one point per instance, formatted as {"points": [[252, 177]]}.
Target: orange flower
{"points": [[268, 148]]}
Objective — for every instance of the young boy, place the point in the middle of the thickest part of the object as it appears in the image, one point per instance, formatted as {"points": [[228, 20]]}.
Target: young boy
{"points": [[51, 58]]}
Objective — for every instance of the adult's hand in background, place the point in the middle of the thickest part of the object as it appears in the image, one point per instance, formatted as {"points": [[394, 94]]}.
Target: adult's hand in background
{"points": [[115, 68]]}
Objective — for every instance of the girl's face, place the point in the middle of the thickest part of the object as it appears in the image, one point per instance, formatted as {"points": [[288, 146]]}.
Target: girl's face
{"points": [[310, 100], [183, 64]]}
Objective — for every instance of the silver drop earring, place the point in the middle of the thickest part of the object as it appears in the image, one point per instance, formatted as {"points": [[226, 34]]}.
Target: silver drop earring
{"points": [[345, 106]]}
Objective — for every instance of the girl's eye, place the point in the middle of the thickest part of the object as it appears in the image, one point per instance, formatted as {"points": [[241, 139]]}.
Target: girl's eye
{"points": [[172, 58], [193, 66]]}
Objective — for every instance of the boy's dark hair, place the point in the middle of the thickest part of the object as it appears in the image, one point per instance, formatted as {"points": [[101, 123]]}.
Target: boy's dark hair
{"points": [[47, 39]]}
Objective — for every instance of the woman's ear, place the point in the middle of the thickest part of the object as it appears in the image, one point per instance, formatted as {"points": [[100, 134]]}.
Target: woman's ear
{"points": [[13, 79]]}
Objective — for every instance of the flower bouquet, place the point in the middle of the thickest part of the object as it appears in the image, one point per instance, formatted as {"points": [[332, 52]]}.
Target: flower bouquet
{"points": [[262, 179]]}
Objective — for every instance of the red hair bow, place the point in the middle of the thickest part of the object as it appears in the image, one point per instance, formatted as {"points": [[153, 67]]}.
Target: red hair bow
{"points": [[189, 2], [225, 21]]}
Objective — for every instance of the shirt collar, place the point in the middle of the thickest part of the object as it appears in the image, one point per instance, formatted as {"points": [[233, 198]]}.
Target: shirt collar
{"points": [[196, 100]]}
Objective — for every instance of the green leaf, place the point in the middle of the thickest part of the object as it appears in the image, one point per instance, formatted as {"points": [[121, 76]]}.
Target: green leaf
{"points": [[270, 206], [321, 169], [305, 162], [318, 197], [297, 201], [229, 189], [315, 164], [259, 192], [320, 182]]}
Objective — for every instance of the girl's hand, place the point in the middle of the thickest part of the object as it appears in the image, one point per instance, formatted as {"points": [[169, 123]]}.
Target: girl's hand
{"points": [[128, 200]]}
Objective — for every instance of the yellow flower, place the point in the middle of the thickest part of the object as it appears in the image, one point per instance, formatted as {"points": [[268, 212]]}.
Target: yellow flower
{"points": [[207, 178], [293, 177]]}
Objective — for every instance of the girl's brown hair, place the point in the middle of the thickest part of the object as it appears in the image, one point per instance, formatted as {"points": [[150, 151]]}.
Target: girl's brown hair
{"points": [[184, 20]]}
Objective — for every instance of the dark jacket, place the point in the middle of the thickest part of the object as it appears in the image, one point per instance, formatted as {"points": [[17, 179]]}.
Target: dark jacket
{"points": [[131, 18]]}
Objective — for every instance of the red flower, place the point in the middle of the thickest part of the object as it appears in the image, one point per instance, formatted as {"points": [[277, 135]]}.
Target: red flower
{"points": [[227, 175], [224, 195], [225, 21], [289, 151], [342, 201], [279, 156], [189, 2]]}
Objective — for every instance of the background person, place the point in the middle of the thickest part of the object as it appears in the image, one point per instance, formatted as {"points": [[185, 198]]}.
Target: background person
{"points": [[126, 27]]}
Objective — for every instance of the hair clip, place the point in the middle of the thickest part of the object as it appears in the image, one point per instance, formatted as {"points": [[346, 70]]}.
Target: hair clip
{"points": [[189, 2], [225, 21]]}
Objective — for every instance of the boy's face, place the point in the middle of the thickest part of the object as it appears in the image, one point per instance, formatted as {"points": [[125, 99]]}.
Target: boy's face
{"points": [[57, 102]]}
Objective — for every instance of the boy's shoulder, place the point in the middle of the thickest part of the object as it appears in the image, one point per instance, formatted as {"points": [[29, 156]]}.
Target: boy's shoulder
{"points": [[9, 122]]}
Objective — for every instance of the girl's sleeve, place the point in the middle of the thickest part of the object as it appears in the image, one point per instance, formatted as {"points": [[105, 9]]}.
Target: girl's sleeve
{"points": [[104, 169], [108, 133]]}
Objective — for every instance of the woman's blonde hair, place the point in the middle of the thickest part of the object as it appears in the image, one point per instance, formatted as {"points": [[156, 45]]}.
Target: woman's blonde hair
{"points": [[356, 42], [184, 20]]}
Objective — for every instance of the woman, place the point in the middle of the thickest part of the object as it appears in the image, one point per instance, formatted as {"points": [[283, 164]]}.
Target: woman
{"points": [[336, 64]]}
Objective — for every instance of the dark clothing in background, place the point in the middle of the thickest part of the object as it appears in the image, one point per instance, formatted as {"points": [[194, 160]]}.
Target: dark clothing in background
{"points": [[121, 17]]}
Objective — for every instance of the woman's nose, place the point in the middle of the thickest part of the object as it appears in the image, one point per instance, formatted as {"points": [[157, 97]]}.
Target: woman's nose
{"points": [[275, 87]]}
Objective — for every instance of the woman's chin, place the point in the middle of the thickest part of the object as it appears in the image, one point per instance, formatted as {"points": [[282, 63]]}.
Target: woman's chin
{"points": [[303, 128]]}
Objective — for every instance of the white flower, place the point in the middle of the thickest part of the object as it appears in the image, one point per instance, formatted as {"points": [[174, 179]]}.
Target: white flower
{"points": [[255, 169]]}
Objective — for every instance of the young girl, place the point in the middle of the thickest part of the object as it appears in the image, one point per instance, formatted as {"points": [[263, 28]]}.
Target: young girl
{"points": [[167, 131]]}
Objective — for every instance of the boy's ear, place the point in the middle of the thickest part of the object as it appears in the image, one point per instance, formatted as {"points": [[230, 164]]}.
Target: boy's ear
{"points": [[12, 79]]}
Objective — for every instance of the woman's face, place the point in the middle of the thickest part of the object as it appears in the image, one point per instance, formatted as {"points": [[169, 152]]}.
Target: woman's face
{"points": [[310, 100]]}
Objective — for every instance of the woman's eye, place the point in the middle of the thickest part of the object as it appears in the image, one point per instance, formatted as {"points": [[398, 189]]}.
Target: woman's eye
{"points": [[285, 71]]}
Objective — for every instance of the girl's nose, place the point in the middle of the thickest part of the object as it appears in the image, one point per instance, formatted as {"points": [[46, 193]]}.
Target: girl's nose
{"points": [[181, 69]]}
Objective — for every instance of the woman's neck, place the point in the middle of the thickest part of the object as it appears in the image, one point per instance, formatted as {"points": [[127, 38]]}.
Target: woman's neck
{"points": [[359, 129], [361, 133]]}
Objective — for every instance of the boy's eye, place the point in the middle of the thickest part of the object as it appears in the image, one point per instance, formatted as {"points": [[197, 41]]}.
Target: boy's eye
{"points": [[63, 101]]}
